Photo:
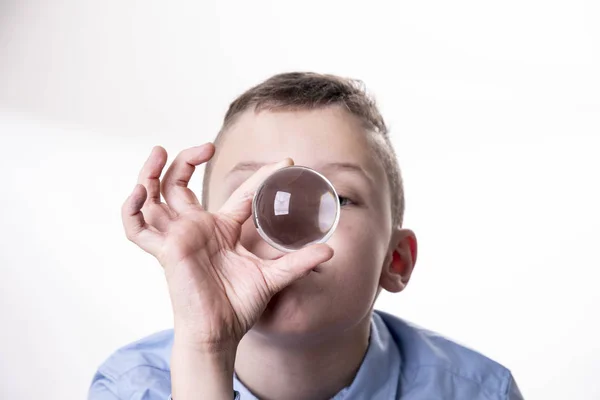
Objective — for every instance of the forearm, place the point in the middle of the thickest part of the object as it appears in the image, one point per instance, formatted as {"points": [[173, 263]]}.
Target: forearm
{"points": [[201, 374]]}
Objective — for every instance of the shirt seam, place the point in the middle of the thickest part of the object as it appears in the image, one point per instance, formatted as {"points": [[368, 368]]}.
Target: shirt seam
{"points": [[111, 391]]}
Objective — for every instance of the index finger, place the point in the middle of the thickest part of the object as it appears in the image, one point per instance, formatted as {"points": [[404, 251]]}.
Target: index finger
{"points": [[175, 182]]}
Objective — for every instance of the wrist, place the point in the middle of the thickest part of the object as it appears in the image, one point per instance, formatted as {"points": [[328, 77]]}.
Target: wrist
{"points": [[216, 352], [224, 346], [220, 340], [195, 370]]}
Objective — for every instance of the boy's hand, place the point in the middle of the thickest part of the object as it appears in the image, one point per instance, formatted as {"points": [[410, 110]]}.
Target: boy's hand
{"points": [[218, 289]]}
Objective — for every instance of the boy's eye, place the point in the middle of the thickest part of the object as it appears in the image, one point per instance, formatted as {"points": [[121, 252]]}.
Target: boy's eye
{"points": [[344, 201]]}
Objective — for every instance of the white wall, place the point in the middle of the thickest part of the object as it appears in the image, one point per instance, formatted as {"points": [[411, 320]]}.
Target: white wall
{"points": [[494, 109]]}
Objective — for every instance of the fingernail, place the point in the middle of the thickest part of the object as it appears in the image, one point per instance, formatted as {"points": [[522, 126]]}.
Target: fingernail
{"points": [[286, 161]]}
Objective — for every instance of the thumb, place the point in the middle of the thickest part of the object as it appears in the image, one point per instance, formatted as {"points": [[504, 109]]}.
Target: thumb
{"points": [[295, 265]]}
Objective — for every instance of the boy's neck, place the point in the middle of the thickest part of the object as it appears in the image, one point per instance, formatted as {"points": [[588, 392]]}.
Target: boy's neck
{"points": [[299, 371]]}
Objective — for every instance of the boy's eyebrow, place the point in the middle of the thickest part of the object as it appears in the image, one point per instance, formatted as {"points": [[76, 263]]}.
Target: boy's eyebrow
{"points": [[333, 166]]}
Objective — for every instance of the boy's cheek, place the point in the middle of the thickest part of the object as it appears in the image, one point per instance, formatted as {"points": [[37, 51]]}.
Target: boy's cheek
{"points": [[359, 252], [355, 251], [354, 235]]}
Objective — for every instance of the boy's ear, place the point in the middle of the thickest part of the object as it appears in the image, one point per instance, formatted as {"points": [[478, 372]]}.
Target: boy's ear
{"points": [[400, 260]]}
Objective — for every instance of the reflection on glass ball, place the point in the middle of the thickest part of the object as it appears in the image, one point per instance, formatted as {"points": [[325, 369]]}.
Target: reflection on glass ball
{"points": [[294, 207]]}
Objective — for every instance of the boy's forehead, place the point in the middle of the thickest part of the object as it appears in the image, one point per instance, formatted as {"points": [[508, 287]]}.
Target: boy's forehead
{"points": [[330, 140], [310, 137]]}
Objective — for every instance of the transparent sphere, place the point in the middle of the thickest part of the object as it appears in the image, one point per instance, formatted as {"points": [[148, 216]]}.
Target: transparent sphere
{"points": [[294, 207]]}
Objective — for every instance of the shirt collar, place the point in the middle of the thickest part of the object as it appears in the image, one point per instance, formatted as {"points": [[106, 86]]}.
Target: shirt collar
{"points": [[378, 375]]}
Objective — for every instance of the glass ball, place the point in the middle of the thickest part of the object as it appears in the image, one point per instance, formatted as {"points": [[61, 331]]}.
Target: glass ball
{"points": [[294, 207]]}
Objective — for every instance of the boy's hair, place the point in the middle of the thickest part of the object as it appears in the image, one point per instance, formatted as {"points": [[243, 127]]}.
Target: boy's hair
{"points": [[307, 90]]}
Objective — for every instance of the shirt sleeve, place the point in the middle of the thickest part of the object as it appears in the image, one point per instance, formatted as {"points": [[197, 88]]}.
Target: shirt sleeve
{"points": [[142, 382], [102, 388], [513, 392]]}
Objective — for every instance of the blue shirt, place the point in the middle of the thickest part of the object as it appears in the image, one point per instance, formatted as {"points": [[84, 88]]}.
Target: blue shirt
{"points": [[403, 361]]}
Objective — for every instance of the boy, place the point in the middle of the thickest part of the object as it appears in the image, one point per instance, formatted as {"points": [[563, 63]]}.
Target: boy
{"points": [[251, 322]]}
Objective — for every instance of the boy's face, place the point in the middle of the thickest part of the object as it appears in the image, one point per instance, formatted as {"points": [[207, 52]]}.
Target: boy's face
{"points": [[343, 290]]}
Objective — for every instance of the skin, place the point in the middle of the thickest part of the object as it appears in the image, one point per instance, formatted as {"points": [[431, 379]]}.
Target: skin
{"points": [[282, 322]]}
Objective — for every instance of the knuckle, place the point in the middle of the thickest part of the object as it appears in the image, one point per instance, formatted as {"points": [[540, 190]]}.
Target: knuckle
{"points": [[247, 194], [182, 156], [266, 168], [129, 235]]}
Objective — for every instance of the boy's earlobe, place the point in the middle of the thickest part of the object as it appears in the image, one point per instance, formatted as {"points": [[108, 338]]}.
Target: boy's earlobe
{"points": [[399, 266]]}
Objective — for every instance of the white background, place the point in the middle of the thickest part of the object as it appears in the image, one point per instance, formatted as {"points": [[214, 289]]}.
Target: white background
{"points": [[494, 109]]}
